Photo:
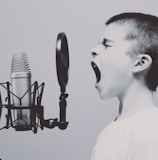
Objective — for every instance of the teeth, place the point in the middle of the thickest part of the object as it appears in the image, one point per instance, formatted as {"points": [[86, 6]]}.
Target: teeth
{"points": [[97, 71]]}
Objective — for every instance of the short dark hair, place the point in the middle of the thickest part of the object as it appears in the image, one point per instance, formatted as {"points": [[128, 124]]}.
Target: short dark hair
{"points": [[144, 29]]}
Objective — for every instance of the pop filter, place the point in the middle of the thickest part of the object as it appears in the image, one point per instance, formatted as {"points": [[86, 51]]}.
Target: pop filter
{"points": [[62, 61], [62, 67]]}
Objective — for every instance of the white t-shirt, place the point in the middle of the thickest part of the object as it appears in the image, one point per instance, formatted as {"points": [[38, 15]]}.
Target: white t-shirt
{"points": [[132, 138]]}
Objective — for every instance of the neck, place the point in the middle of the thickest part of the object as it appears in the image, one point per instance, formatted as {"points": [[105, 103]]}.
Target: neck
{"points": [[135, 100]]}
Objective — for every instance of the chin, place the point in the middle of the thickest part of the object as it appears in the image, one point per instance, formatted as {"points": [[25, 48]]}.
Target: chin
{"points": [[105, 97], [106, 94], [105, 91]]}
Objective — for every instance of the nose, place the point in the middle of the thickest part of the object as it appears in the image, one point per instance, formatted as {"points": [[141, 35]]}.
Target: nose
{"points": [[96, 51], [94, 54]]}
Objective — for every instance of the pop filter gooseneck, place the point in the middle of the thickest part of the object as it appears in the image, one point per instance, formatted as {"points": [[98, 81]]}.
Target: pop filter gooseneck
{"points": [[62, 67]]}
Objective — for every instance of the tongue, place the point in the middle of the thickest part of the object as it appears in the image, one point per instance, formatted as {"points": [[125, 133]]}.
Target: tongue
{"points": [[97, 71]]}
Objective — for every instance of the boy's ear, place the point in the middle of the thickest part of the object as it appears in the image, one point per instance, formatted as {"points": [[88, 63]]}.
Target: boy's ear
{"points": [[142, 63]]}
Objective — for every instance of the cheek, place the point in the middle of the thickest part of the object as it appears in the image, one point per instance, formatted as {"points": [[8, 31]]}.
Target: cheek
{"points": [[119, 68], [107, 62]]}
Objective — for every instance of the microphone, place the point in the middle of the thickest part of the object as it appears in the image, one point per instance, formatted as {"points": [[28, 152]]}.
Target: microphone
{"points": [[21, 83], [25, 111]]}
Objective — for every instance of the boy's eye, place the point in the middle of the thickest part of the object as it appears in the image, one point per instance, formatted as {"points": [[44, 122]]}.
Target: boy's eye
{"points": [[104, 43], [106, 46]]}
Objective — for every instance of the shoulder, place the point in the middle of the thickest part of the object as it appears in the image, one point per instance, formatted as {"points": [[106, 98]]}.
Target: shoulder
{"points": [[144, 123], [143, 135], [142, 147], [135, 136], [147, 119]]}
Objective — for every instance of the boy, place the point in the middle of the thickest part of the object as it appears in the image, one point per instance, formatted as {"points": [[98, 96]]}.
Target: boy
{"points": [[126, 66]]}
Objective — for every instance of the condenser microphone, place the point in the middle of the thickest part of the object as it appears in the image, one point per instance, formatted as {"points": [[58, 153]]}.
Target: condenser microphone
{"points": [[21, 83]]}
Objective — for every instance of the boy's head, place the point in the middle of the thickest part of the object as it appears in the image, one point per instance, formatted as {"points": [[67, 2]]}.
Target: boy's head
{"points": [[126, 36], [143, 30]]}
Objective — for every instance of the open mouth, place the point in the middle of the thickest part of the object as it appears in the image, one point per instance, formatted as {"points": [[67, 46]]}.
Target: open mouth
{"points": [[97, 71]]}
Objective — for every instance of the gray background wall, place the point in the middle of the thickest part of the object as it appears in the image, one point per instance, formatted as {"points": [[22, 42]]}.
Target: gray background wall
{"points": [[32, 26]]}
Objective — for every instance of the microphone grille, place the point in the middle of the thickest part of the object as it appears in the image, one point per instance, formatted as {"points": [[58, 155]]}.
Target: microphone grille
{"points": [[20, 63]]}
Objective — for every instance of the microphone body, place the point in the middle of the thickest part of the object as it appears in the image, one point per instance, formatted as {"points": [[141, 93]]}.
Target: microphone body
{"points": [[21, 83]]}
